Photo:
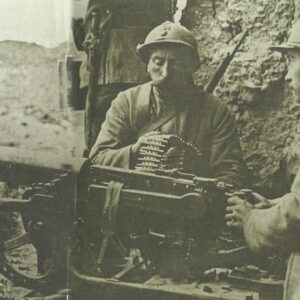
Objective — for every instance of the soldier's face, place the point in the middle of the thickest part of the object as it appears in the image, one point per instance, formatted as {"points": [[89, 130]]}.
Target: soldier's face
{"points": [[293, 74], [171, 67]]}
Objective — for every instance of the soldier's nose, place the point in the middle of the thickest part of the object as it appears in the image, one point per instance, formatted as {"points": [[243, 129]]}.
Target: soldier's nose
{"points": [[288, 77], [165, 70]]}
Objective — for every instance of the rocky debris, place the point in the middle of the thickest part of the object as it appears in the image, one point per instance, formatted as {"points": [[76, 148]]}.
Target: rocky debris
{"points": [[35, 128]]}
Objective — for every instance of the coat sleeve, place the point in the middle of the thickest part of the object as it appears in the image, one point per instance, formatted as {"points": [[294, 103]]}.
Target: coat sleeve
{"points": [[113, 145], [226, 157], [277, 227]]}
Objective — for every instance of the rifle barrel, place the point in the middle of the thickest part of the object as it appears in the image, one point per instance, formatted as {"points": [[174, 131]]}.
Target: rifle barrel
{"points": [[213, 82]]}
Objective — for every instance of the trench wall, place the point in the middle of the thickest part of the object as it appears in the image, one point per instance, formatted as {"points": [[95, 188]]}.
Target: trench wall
{"points": [[253, 86]]}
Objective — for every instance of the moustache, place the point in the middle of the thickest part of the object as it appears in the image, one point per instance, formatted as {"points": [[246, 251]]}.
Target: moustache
{"points": [[170, 82]]}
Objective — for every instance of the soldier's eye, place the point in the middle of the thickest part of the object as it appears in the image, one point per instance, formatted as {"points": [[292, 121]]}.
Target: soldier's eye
{"points": [[159, 61]]}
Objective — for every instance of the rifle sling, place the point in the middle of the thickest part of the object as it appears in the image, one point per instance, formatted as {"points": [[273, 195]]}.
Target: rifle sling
{"points": [[160, 120], [109, 216]]}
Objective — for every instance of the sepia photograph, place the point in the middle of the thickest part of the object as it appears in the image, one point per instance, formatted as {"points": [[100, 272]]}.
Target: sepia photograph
{"points": [[150, 149]]}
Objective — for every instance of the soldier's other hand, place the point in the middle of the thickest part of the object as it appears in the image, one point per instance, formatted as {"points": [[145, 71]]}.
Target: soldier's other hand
{"points": [[237, 212], [142, 140]]}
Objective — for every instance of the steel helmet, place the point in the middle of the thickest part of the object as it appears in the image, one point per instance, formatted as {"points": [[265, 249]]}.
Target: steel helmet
{"points": [[293, 41], [168, 33]]}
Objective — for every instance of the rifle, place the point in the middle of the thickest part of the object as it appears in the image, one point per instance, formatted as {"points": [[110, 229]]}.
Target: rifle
{"points": [[213, 82], [94, 44]]}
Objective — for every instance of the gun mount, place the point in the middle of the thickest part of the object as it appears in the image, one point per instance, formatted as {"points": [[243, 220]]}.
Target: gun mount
{"points": [[46, 210], [133, 233], [137, 230]]}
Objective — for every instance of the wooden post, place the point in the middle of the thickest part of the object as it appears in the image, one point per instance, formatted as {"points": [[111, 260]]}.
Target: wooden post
{"points": [[61, 84], [73, 82]]}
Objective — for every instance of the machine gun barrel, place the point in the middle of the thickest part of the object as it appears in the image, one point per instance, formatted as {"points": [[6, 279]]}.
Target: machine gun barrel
{"points": [[168, 179], [19, 166]]}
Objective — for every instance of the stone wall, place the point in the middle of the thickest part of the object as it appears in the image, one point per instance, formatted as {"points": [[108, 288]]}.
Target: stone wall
{"points": [[253, 86]]}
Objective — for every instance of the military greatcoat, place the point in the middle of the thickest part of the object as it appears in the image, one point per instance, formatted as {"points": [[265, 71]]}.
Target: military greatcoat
{"points": [[119, 66], [278, 227], [199, 119]]}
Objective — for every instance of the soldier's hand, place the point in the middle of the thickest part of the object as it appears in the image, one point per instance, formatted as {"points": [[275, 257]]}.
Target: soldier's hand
{"points": [[142, 140], [237, 211]]}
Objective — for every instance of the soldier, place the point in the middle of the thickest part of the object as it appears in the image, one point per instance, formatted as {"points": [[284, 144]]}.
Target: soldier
{"points": [[170, 103], [275, 224], [119, 67]]}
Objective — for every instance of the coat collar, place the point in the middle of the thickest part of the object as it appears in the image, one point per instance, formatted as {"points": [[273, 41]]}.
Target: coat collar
{"points": [[141, 113]]}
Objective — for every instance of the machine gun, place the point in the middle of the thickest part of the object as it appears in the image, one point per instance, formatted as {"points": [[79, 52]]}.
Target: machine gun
{"points": [[136, 227], [170, 206], [160, 218]]}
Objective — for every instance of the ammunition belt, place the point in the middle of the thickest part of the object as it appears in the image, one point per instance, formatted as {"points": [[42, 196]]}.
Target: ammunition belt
{"points": [[167, 152]]}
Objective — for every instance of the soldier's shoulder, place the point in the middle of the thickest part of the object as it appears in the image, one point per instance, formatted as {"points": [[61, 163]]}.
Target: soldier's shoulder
{"points": [[134, 93], [211, 102]]}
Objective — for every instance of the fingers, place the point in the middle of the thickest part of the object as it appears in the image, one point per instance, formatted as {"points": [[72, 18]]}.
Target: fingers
{"points": [[233, 220], [261, 201], [235, 200], [261, 205], [237, 212], [232, 223], [143, 140], [258, 197], [155, 132], [234, 210], [229, 216]]}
